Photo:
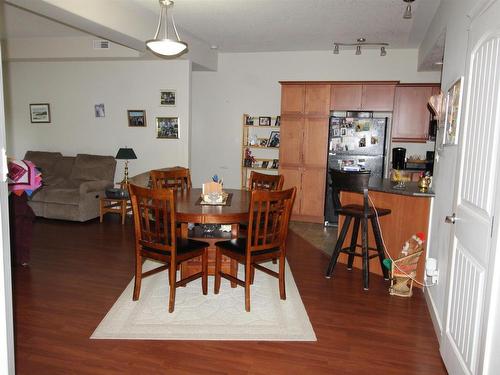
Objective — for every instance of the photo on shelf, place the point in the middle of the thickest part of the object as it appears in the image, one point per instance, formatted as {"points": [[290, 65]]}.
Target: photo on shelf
{"points": [[276, 164], [263, 142], [265, 163], [248, 120], [278, 121], [264, 121], [274, 139]]}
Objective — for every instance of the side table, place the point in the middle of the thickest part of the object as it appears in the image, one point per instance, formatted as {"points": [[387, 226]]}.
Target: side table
{"points": [[120, 206]]}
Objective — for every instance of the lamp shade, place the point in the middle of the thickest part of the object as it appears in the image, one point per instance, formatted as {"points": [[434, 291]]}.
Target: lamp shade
{"points": [[125, 154], [166, 47]]}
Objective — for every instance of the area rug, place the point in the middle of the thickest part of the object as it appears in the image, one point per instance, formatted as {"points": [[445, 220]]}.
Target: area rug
{"points": [[210, 317]]}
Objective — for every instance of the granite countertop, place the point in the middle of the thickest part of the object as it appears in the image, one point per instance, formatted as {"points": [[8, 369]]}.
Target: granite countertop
{"points": [[386, 186]]}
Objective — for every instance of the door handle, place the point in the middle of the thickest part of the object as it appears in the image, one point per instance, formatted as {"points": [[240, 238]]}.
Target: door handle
{"points": [[450, 219]]}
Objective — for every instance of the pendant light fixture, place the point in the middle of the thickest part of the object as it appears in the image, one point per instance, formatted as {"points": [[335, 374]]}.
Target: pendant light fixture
{"points": [[360, 42], [407, 14], [166, 46]]}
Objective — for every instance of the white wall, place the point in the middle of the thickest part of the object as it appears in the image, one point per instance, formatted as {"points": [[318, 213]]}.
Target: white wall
{"points": [[248, 83], [450, 18], [72, 89]]}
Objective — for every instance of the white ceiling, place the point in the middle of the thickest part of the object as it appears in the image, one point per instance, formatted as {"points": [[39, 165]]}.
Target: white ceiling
{"points": [[266, 25]]}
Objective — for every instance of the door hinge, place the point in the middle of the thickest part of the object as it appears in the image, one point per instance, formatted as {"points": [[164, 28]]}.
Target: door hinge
{"points": [[492, 223]]}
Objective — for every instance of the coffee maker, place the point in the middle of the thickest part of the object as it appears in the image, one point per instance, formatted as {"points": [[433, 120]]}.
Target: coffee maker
{"points": [[398, 158]]}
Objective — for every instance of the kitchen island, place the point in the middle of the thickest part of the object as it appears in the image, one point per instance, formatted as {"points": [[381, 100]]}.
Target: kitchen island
{"points": [[410, 214]]}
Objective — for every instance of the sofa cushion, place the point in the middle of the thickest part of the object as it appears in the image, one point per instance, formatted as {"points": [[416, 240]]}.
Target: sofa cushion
{"points": [[93, 167], [62, 196], [60, 171], [44, 160]]}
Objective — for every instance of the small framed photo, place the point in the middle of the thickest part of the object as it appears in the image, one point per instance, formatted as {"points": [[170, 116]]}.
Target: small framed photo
{"points": [[167, 98], [336, 132], [99, 110], [264, 121], [167, 127], [343, 132], [276, 164], [248, 120], [278, 121], [136, 117], [263, 142], [265, 163], [40, 113], [274, 139]]}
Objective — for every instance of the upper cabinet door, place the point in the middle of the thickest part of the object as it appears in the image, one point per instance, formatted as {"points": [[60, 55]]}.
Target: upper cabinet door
{"points": [[291, 139], [292, 99], [411, 116], [346, 97], [378, 97], [317, 100], [315, 143]]}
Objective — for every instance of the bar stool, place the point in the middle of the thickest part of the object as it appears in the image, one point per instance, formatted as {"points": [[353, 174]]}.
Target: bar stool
{"points": [[356, 182]]}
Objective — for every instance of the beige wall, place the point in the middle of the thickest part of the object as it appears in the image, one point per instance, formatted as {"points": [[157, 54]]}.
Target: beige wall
{"points": [[248, 83], [72, 89]]}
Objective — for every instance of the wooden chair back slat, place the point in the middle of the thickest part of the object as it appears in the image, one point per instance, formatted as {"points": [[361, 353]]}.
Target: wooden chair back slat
{"points": [[268, 219], [179, 179], [154, 217], [262, 181]]}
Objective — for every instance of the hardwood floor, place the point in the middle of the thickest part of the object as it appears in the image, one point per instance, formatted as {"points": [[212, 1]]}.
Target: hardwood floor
{"points": [[78, 270]]}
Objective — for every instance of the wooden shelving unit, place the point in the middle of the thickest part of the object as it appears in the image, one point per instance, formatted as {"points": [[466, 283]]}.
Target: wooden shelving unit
{"points": [[255, 140]]}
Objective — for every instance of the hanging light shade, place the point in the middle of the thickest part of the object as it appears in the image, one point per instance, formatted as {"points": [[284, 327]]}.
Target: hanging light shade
{"points": [[166, 46], [407, 14]]}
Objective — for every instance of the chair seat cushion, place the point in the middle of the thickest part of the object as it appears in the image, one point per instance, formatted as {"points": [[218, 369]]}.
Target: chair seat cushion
{"points": [[357, 210], [239, 245], [186, 245]]}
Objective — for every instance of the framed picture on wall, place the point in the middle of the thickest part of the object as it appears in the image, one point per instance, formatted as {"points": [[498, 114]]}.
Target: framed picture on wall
{"points": [[167, 98], [453, 108], [40, 113], [136, 117], [167, 127], [99, 110]]}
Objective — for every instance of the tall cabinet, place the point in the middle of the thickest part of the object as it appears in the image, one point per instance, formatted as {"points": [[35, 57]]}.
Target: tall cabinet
{"points": [[305, 109]]}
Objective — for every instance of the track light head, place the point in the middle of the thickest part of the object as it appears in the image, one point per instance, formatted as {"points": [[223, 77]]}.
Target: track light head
{"points": [[383, 52], [407, 14], [358, 50], [336, 49]]}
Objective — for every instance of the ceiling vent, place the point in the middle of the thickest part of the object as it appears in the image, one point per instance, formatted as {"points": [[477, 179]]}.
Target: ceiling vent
{"points": [[101, 44]]}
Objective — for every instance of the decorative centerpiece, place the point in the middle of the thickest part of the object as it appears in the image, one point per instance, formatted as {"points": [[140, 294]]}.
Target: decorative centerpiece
{"points": [[212, 192]]}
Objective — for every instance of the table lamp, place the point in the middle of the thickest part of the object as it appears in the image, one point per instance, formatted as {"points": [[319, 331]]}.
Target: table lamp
{"points": [[125, 154]]}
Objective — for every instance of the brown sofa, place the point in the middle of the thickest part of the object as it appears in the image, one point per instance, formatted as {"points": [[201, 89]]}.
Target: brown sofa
{"points": [[72, 185]]}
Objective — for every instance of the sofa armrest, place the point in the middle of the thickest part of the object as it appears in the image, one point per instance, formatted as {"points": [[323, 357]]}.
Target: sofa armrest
{"points": [[99, 185]]}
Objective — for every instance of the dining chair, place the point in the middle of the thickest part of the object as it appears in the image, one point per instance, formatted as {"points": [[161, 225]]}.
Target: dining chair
{"points": [[357, 182], [176, 178], [263, 181], [268, 218], [155, 238]]}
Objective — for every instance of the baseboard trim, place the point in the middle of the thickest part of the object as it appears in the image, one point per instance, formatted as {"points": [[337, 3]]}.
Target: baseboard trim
{"points": [[436, 320]]}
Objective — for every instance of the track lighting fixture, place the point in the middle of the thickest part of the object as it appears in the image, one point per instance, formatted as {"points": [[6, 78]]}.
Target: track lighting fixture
{"points": [[407, 14], [360, 42]]}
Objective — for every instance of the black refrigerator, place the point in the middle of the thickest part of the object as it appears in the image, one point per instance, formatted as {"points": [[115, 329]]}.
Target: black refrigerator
{"points": [[356, 141]]}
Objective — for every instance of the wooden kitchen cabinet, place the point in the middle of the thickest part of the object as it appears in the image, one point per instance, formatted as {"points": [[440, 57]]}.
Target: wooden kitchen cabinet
{"points": [[346, 97], [317, 99], [363, 96], [292, 99], [378, 97], [304, 148], [315, 144], [411, 115]]}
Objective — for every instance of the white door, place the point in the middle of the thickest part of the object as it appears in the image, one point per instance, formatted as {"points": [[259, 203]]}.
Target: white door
{"points": [[6, 330], [479, 164]]}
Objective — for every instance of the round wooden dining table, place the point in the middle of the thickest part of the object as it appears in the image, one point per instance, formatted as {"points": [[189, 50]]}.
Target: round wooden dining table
{"points": [[189, 210]]}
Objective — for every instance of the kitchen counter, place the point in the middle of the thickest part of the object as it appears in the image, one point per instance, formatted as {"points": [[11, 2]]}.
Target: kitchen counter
{"points": [[410, 211], [386, 186]]}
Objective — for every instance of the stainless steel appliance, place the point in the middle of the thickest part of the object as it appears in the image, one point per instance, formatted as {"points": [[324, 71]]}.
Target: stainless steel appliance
{"points": [[356, 142]]}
